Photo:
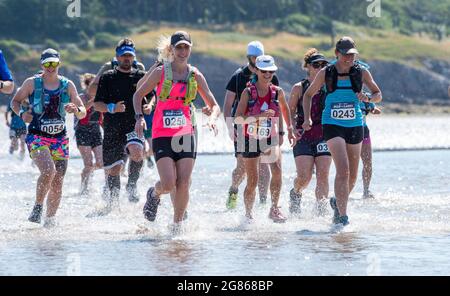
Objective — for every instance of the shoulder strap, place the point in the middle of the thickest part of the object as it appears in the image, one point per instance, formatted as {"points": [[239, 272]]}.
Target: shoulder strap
{"points": [[192, 86], [64, 97], [253, 91], [273, 93], [355, 75], [38, 98], [168, 74], [331, 77]]}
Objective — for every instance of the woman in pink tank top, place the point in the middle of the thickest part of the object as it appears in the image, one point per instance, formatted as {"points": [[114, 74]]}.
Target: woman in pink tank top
{"points": [[261, 110], [174, 142]]}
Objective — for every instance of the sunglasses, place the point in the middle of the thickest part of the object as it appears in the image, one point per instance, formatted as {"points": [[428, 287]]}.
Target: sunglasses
{"points": [[50, 64], [264, 72], [318, 65]]}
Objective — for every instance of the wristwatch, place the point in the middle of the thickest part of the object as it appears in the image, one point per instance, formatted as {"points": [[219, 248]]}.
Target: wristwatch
{"points": [[138, 116], [1, 85], [282, 133]]}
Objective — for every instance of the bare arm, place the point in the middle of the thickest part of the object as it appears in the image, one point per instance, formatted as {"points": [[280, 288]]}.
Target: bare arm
{"points": [[22, 94], [285, 111], [8, 87], [307, 97], [80, 110], [145, 88], [373, 87], [296, 93]]}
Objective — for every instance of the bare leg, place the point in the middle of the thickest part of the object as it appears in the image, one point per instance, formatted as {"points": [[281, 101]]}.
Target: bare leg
{"points": [[55, 193]]}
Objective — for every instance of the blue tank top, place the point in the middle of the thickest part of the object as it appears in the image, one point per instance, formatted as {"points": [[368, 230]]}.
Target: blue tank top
{"points": [[50, 123], [342, 107]]}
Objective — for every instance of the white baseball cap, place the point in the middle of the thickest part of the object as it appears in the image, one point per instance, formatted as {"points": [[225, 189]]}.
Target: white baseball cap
{"points": [[255, 49], [266, 63]]}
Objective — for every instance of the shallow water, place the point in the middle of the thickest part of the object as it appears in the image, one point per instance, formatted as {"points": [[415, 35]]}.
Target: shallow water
{"points": [[405, 230]]}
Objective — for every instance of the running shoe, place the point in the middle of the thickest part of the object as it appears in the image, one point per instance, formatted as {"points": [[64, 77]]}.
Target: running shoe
{"points": [[336, 215], [232, 200], [151, 206], [295, 202], [35, 216], [276, 215]]}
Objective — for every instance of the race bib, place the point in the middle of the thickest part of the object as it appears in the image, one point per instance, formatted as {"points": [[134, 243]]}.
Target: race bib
{"points": [[133, 136], [322, 147], [52, 126], [265, 128], [261, 130], [343, 111], [174, 118]]}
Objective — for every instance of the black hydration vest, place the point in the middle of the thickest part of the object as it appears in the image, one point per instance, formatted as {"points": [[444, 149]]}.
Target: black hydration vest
{"points": [[355, 75]]}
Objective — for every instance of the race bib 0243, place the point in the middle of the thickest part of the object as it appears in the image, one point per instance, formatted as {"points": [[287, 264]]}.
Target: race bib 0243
{"points": [[343, 111]]}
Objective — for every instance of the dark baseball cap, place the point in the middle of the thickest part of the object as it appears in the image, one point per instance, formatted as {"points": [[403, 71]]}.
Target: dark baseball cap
{"points": [[346, 45], [50, 55], [180, 37], [316, 58]]}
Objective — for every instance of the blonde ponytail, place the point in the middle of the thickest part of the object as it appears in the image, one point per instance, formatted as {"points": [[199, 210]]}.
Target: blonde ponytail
{"points": [[164, 49]]}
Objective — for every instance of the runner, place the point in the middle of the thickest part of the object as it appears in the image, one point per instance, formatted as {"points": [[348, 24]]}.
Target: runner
{"points": [[342, 118], [114, 98], [17, 131], [366, 150], [174, 140], [51, 97], [110, 65], [259, 109], [88, 135], [312, 149], [235, 87], [6, 79]]}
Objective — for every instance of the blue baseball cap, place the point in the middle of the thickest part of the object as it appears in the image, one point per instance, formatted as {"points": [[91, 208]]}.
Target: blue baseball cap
{"points": [[255, 49], [125, 49]]}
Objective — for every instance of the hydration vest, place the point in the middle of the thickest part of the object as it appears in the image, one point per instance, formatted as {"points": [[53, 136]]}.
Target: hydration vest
{"points": [[300, 112], [38, 100], [254, 104], [355, 75], [191, 84]]}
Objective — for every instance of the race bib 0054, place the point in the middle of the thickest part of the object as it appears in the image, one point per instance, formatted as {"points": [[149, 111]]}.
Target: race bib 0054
{"points": [[52, 126]]}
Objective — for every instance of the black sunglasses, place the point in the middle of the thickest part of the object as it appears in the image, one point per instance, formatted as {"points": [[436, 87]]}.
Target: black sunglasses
{"points": [[264, 71], [318, 65]]}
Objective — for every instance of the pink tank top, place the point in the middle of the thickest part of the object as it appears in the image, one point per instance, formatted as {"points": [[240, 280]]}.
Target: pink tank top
{"points": [[172, 117]]}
